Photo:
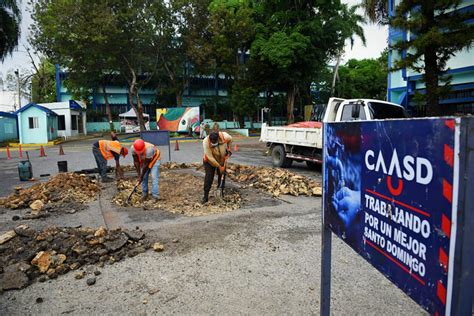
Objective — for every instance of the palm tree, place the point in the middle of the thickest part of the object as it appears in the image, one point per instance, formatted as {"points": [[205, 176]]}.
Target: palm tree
{"points": [[353, 28], [10, 17], [376, 10]]}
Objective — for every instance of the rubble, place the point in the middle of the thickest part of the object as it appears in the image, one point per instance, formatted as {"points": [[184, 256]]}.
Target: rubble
{"points": [[274, 181], [48, 253], [181, 194], [63, 188], [158, 247]]}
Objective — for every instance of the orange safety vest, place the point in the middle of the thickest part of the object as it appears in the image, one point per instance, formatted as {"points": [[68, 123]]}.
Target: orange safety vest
{"points": [[155, 157], [221, 140], [107, 146]]}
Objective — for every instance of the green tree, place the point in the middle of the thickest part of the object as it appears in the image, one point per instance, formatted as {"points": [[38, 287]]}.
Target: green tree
{"points": [[232, 32], [43, 83], [10, 18], [105, 40], [376, 10], [438, 31], [366, 78], [297, 39]]}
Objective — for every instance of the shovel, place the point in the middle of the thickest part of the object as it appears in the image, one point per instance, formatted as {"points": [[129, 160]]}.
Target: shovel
{"points": [[135, 188], [219, 194]]}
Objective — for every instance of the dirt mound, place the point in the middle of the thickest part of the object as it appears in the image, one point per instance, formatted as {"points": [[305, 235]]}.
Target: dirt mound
{"points": [[273, 180], [181, 193], [27, 254], [61, 188]]}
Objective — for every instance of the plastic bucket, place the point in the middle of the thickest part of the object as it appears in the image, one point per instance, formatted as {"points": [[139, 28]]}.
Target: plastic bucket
{"points": [[25, 172], [62, 166]]}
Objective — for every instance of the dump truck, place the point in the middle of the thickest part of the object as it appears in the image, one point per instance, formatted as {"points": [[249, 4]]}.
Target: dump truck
{"points": [[304, 141]]}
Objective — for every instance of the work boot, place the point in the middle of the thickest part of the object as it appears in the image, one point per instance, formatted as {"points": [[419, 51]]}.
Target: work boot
{"points": [[107, 179], [157, 198], [144, 197], [204, 199]]}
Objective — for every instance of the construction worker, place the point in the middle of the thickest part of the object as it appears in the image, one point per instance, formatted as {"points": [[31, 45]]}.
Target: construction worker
{"points": [[104, 150], [216, 152], [146, 159]]}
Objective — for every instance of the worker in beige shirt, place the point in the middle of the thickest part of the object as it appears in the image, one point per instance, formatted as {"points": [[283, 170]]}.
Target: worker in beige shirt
{"points": [[216, 152]]}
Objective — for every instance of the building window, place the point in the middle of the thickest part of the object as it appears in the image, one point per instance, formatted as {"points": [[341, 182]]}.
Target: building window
{"points": [[74, 122], [33, 122], [61, 122]]}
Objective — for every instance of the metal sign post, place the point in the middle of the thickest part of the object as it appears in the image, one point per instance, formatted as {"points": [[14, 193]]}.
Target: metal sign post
{"points": [[400, 193]]}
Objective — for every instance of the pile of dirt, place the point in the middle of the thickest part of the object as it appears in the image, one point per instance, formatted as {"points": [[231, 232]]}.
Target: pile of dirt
{"points": [[274, 181], [181, 193], [63, 188], [27, 255]]}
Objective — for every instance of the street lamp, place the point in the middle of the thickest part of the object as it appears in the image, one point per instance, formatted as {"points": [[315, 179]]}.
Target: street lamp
{"points": [[17, 73], [266, 110]]}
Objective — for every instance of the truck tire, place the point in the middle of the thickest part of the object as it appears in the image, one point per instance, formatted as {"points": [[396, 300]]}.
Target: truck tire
{"points": [[279, 158]]}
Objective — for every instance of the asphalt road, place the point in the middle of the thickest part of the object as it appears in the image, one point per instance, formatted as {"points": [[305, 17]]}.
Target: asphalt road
{"points": [[261, 259]]}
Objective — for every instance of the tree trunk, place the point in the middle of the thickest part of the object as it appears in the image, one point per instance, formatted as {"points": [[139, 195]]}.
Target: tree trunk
{"points": [[241, 119], [179, 98], [141, 120], [431, 80], [107, 108], [133, 91], [432, 70], [290, 104], [336, 69], [269, 96]]}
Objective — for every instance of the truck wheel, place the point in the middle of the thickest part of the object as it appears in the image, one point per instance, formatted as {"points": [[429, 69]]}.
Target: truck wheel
{"points": [[313, 165], [279, 158]]}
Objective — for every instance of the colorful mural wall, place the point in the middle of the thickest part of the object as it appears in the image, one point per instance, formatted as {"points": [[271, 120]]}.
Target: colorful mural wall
{"points": [[178, 119]]}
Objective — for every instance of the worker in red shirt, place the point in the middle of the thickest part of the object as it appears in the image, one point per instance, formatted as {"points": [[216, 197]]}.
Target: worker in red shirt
{"points": [[104, 150]]}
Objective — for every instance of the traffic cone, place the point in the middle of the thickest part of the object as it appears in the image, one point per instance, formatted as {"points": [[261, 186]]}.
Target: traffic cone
{"points": [[61, 151], [236, 147], [21, 152], [8, 153], [42, 153], [176, 147]]}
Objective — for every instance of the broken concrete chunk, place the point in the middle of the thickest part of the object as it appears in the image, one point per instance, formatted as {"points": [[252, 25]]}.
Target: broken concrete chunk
{"points": [[42, 260], [117, 243], [7, 236], [13, 280], [100, 232], [36, 207], [158, 247], [134, 235]]}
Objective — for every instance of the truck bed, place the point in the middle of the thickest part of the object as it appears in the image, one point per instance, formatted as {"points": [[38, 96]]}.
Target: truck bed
{"points": [[308, 137]]}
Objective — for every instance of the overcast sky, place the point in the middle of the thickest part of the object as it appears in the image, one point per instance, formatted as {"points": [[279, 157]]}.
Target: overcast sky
{"points": [[376, 41]]}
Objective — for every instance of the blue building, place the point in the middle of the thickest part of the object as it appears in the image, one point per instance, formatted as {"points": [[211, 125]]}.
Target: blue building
{"points": [[8, 126], [37, 124], [199, 90], [403, 84]]}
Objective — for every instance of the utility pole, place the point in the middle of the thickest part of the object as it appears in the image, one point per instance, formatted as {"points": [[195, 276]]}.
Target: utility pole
{"points": [[17, 73]]}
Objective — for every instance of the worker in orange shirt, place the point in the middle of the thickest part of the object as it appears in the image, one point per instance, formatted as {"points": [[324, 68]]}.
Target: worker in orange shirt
{"points": [[216, 151], [104, 150], [146, 159]]}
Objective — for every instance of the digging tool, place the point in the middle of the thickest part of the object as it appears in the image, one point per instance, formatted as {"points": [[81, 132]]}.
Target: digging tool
{"points": [[219, 194], [136, 187]]}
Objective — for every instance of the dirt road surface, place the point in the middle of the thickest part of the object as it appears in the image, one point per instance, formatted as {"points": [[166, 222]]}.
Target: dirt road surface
{"points": [[263, 258]]}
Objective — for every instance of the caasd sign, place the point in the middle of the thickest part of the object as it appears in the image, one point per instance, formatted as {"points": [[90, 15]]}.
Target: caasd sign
{"points": [[409, 168], [388, 193]]}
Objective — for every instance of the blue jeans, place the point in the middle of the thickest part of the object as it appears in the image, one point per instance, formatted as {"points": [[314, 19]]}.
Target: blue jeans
{"points": [[155, 174]]}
